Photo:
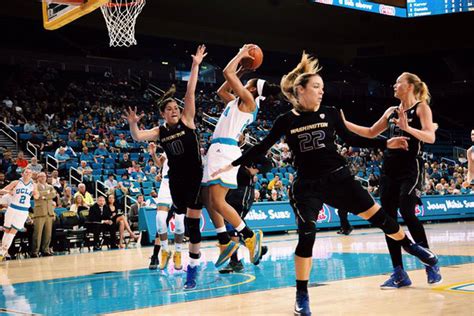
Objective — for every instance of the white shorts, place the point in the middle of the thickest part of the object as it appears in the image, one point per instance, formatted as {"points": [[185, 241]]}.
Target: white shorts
{"points": [[218, 156], [164, 194], [15, 219]]}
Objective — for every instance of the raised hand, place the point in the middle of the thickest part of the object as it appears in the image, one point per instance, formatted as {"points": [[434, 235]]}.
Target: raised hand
{"points": [[244, 52], [200, 54], [152, 148], [131, 116], [400, 142], [221, 170], [402, 121]]}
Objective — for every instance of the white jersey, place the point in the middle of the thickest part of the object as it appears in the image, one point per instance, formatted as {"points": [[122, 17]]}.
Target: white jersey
{"points": [[233, 122], [21, 199]]}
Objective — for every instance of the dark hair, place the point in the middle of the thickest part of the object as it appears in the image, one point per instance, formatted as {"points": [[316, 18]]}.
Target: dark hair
{"points": [[269, 89], [167, 98]]}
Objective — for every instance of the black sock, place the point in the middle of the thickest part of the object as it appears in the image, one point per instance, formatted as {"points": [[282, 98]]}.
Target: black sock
{"points": [[405, 242], [194, 255], [302, 286], [223, 238], [234, 257], [246, 232], [156, 251]]}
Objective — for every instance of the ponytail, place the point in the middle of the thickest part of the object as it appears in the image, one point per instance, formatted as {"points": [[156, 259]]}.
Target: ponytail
{"points": [[421, 90], [299, 76], [166, 98]]}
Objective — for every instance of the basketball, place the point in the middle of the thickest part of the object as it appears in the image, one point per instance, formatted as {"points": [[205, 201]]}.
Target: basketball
{"points": [[257, 54]]}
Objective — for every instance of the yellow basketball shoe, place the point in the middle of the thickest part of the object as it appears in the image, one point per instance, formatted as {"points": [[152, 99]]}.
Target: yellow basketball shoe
{"points": [[254, 245], [165, 258]]}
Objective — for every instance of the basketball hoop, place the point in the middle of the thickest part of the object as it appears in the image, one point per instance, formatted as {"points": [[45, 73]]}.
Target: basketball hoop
{"points": [[120, 17]]}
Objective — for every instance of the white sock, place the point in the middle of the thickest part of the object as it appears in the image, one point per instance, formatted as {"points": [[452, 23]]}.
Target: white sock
{"points": [[178, 247], [221, 229], [240, 227], [164, 245], [193, 262], [6, 243]]}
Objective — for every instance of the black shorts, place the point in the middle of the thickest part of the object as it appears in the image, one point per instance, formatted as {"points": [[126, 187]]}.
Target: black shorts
{"points": [[408, 180], [338, 189], [185, 188], [241, 199]]}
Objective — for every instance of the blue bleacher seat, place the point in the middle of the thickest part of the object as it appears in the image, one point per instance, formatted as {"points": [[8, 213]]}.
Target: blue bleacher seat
{"points": [[121, 172], [274, 170], [147, 184], [147, 191], [110, 160], [96, 165]]}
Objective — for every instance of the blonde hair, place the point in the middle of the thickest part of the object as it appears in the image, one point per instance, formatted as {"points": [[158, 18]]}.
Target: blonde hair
{"points": [[299, 76], [421, 90]]}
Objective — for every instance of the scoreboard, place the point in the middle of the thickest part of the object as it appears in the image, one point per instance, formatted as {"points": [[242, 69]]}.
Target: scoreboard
{"points": [[414, 8]]}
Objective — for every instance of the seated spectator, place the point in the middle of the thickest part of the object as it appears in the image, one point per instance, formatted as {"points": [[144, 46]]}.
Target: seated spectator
{"points": [[137, 174], [34, 165], [86, 172], [140, 202], [271, 184], [87, 142], [3, 181], [87, 156], [55, 181], [86, 196], [78, 204], [100, 218], [30, 127], [121, 143], [101, 152], [66, 198], [257, 196], [125, 163], [62, 157], [111, 184], [274, 196], [119, 218], [21, 162], [152, 200]]}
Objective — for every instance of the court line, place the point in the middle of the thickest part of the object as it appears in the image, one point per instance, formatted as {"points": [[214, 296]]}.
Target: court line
{"points": [[251, 278], [454, 287]]}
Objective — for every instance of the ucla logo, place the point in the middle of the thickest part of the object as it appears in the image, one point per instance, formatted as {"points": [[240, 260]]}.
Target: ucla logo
{"points": [[23, 191]]}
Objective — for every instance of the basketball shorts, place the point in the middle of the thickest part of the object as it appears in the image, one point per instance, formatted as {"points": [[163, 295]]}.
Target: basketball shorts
{"points": [[218, 156], [15, 219], [338, 189], [164, 194], [185, 189]]}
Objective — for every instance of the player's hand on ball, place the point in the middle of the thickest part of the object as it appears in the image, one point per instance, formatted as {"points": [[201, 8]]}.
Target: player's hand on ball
{"points": [[221, 170], [400, 142]]}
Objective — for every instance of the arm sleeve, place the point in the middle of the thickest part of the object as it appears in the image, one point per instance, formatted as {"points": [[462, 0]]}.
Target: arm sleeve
{"points": [[261, 148], [353, 139]]}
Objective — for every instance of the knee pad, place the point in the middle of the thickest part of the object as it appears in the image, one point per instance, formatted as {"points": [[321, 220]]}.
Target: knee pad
{"points": [[179, 224], [306, 238], [194, 230], [161, 227], [384, 222]]}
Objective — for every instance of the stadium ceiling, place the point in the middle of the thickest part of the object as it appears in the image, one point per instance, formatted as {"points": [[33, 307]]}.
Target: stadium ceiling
{"points": [[285, 25]]}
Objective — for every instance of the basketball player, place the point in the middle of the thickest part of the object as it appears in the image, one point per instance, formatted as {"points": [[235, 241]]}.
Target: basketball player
{"points": [[402, 177], [470, 162], [180, 141], [164, 205], [241, 199], [322, 174], [241, 110], [16, 215]]}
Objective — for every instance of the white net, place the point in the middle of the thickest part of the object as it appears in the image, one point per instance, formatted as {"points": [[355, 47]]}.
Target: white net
{"points": [[120, 17]]}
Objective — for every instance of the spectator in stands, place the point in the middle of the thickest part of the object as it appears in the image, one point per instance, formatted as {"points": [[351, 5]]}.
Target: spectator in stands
{"points": [[274, 196], [101, 152], [119, 219], [87, 156], [48, 145], [140, 202], [152, 200], [470, 162], [137, 174], [111, 184], [21, 162], [62, 158], [286, 157], [87, 142], [30, 127], [86, 196], [125, 163], [43, 217], [66, 199], [264, 192], [436, 174], [122, 143], [3, 181], [257, 196], [55, 181], [271, 184], [100, 218], [78, 204], [34, 165], [86, 171]]}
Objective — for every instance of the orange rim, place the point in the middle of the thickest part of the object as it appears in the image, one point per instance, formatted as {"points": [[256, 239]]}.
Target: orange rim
{"points": [[128, 4]]}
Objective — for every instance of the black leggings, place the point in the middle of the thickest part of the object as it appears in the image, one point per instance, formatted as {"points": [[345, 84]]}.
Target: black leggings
{"points": [[402, 194]]}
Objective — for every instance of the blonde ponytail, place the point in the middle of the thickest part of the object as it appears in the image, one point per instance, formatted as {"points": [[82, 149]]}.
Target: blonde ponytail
{"points": [[421, 90], [307, 67]]}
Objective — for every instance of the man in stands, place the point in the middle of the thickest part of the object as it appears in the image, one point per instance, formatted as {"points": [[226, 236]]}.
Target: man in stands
{"points": [[100, 217], [86, 196]]}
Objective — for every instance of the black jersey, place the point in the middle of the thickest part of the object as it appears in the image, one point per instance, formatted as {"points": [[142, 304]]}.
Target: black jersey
{"points": [[181, 145], [311, 137], [262, 163], [415, 146]]}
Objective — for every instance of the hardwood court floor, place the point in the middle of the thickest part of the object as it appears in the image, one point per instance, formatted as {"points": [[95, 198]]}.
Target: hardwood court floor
{"points": [[346, 275]]}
